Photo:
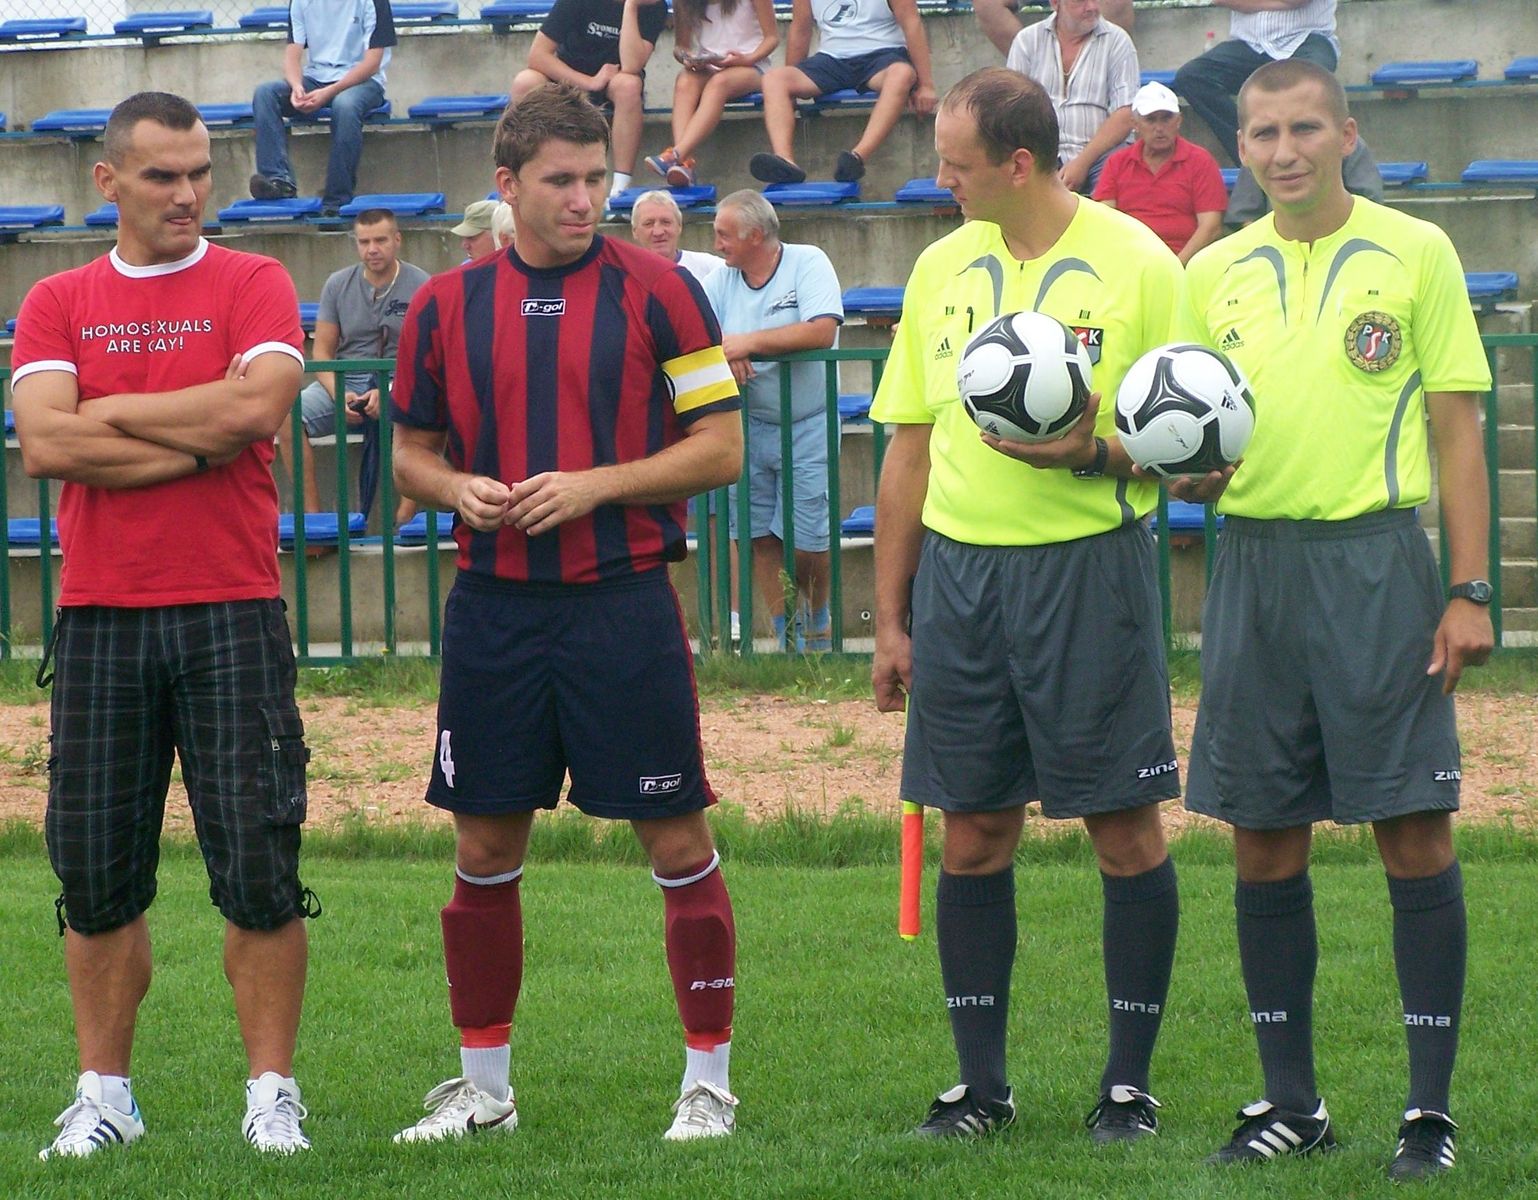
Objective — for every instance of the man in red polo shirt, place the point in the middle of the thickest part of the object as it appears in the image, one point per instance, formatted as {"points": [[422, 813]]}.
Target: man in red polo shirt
{"points": [[1166, 182]]}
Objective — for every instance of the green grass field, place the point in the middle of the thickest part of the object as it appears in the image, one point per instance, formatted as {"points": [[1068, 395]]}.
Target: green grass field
{"points": [[841, 1036]]}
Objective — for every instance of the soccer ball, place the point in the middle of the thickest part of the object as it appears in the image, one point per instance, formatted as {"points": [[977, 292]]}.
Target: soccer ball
{"points": [[1024, 377], [1184, 410]]}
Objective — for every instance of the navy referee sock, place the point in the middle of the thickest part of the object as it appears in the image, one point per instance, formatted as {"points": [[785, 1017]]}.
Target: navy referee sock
{"points": [[1279, 954], [1142, 916], [975, 926], [1430, 952]]}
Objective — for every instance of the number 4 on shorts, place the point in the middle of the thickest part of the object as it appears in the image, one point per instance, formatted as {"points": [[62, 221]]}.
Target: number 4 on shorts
{"points": [[445, 758]]}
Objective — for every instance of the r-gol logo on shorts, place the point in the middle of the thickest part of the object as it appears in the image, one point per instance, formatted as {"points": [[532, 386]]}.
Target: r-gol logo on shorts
{"points": [[659, 785]]}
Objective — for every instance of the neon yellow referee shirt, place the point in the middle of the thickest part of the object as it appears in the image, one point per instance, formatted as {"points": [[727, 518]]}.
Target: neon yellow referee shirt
{"points": [[1112, 280], [1341, 341]]}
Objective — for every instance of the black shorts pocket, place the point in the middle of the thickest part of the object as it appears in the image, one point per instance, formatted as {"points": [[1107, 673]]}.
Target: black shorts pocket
{"points": [[283, 757]]}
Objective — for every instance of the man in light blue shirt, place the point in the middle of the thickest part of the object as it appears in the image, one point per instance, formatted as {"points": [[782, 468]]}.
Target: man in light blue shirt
{"points": [[335, 58], [775, 299]]}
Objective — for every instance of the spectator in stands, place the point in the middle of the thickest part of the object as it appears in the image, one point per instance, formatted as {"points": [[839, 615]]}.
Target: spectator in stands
{"points": [[773, 298], [474, 229], [336, 57], [656, 223], [1164, 181], [602, 47], [504, 226], [724, 46], [870, 45], [1000, 19], [361, 310], [1089, 68]]}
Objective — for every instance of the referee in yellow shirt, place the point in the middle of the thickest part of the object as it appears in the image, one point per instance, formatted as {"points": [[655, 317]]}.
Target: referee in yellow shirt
{"points": [[1329, 653]]}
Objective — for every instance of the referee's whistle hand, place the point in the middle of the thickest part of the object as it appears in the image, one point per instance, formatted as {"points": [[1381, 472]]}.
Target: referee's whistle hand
{"points": [[1465, 637], [483, 503]]}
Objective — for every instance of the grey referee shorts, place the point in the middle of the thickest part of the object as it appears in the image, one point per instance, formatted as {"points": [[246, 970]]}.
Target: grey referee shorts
{"points": [[212, 684], [1315, 702], [1038, 674]]}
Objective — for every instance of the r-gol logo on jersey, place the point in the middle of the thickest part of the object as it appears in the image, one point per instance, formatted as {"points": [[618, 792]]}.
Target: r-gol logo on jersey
{"points": [[660, 785], [544, 308]]}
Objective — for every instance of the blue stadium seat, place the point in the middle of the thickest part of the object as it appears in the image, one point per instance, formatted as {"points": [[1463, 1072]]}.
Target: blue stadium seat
{"points": [[30, 216], [104, 217], [151, 26], [1411, 74], [1398, 174], [1501, 170], [402, 204], [923, 191], [309, 312], [685, 197], [861, 522], [844, 97], [445, 110], [2, 122], [414, 531], [320, 528], [1187, 517], [88, 121], [810, 193], [10, 325], [1230, 176], [36, 29], [505, 14], [10, 423], [225, 114], [294, 209], [853, 406], [873, 301], [1491, 286], [274, 16], [416, 11], [321, 115], [1167, 78], [1523, 70], [28, 531]]}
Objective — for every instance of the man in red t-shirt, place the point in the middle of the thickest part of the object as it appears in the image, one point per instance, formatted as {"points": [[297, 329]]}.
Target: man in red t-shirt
{"points": [[1166, 182], [565, 397], [151, 381]]}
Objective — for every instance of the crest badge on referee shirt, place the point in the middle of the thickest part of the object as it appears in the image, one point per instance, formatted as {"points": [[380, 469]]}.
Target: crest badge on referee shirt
{"points": [[1373, 342]]}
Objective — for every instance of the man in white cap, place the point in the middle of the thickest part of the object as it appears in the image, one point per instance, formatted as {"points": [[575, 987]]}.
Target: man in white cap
{"points": [[474, 229], [1166, 182]]}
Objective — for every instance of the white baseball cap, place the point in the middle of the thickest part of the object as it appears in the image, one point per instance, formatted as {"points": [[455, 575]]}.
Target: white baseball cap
{"points": [[1154, 97]]}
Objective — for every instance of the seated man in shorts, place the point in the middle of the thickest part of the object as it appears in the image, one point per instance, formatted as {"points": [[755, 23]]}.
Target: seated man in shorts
{"points": [[869, 45]]}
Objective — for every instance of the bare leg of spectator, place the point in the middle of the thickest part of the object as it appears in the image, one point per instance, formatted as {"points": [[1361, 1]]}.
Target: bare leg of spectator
{"points": [[999, 23], [625, 93], [307, 461], [894, 85], [525, 82], [705, 114], [814, 577], [768, 563], [687, 90], [782, 87]]}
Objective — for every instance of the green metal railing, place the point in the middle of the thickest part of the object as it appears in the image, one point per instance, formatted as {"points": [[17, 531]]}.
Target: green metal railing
{"points": [[713, 550]]}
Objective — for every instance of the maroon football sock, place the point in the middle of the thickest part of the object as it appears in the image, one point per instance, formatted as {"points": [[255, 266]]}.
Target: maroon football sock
{"points": [[702, 952], [483, 951]]}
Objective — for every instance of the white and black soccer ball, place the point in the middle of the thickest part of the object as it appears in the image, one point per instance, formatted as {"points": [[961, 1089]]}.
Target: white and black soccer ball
{"points": [[1184, 409], [1024, 377]]}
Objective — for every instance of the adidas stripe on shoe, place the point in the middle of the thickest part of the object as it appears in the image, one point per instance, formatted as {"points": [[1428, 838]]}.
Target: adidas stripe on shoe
{"points": [[1123, 1114], [91, 1124], [1427, 1145], [457, 1107], [273, 1114], [1266, 1132], [956, 1114]]}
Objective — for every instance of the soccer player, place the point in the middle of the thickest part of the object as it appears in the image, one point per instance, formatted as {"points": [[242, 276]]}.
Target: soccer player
{"points": [[577, 386], [1329, 654], [1017, 607], [151, 381]]}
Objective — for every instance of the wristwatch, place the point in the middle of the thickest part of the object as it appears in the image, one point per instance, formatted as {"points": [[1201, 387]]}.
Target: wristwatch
{"points": [[1096, 467], [1477, 590]]}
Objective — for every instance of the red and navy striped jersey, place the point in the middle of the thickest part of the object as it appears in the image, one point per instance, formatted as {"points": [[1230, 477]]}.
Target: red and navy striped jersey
{"points": [[604, 360]]}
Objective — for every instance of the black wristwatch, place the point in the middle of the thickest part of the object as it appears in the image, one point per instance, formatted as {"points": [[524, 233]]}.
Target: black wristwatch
{"points": [[1477, 590], [1096, 467]]}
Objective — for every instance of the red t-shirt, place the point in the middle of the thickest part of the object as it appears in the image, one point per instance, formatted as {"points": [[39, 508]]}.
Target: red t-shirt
{"points": [[1167, 202], [119, 328]]}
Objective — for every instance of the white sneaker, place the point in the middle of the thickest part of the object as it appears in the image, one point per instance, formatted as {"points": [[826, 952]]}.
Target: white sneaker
{"points": [[273, 1113], [703, 1111], [90, 1123], [457, 1107]]}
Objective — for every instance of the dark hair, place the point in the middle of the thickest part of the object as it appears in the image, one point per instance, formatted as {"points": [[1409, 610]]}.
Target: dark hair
{"points": [[375, 216], [1012, 112], [551, 112], [163, 108], [1287, 73], [689, 15]]}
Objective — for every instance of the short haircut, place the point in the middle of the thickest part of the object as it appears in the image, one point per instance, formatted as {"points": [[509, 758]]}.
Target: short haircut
{"points": [[1012, 112], [504, 226], [376, 216], [757, 213], [656, 196], [1287, 73], [163, 108], [551, 112]]}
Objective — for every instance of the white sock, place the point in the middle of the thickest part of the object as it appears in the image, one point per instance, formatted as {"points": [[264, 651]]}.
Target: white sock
{"points": [[621, 182], [117, 1090], [708, 1066], [487, 1067], [286, 1082]]}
